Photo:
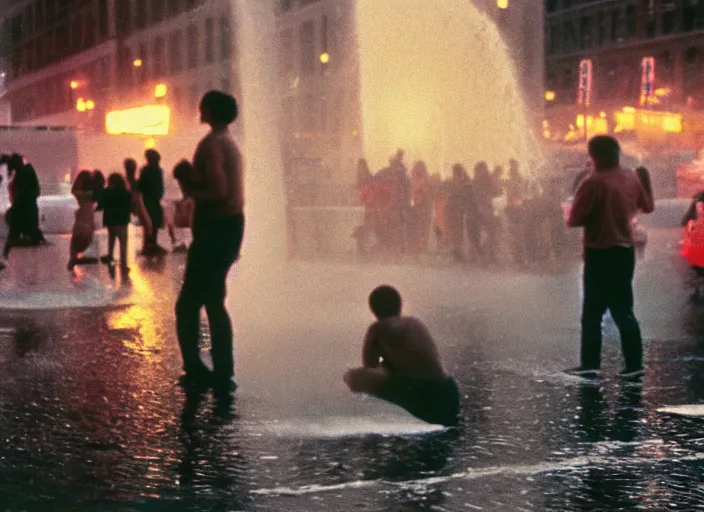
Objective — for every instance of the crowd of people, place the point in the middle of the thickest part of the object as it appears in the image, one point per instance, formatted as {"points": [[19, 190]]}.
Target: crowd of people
{"points": [[403, 212], [119, 198]]}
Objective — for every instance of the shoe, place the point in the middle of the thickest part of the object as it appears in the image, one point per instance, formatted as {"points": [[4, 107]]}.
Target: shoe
{"points": [[225, 386], [628, 374], [585, 373], [196, 380], [71, 264], [106, 259]]}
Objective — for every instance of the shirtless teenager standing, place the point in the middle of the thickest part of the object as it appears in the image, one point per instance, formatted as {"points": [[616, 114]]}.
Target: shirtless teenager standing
{"points": [[401, 363], [216, 186]]}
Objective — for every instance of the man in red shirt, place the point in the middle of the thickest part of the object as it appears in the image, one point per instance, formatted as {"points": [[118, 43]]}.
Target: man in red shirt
{"points": [[605, 204]]}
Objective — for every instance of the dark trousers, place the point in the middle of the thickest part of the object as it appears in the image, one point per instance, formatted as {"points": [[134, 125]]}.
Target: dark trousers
{"points": [[215, 247], [608, 284]]}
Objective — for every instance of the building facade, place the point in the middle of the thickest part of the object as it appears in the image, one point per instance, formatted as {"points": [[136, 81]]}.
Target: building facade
{"points": [[103, 55], [617, 35]]}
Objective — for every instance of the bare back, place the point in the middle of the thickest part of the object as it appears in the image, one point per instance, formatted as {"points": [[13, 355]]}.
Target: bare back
{"points": [[222, 148], [406, 346]]}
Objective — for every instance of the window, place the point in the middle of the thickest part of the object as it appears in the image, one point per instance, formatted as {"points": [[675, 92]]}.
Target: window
{"points": [[123, 17], [140, 14], [225, 39], [692, 15], [603, 27], [631, 21], [194, 100], [569, 37], [103, 19], [208, 47], [142, 70], [551, 5], [158, 57], [174, 7], [585, 33], [175, 63], [157, 14], [553, 40], [307, 41], [192, 47], [615, 19]]}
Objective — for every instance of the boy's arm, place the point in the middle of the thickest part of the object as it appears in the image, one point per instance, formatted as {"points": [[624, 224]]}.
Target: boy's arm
{"points": [[582, 205], [215, 188], [370, 350]]}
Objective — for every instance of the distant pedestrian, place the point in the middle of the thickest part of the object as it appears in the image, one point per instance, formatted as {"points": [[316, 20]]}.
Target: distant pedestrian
{"points": [[217, 186], [138, 208], [605, 204], [151, 186], [117, 207], [84, 224]]}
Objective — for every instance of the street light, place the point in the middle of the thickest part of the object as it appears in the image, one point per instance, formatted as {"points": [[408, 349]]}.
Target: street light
{"points": [[90, 105], [81, 105], [160, 90], [502, 4], [137, 63], [550, 95], [325, 57], [74, 84]]}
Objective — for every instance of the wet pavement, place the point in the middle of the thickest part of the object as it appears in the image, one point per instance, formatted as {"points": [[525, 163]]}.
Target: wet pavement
{"points": [[91, 417]]}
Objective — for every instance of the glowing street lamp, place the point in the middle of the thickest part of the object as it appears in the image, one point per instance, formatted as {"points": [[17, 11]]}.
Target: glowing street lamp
{"points": [[550, 95], [160, 91], [90, 105], [325, 57], [502, 4], [74, 84], [137, 63], [81, 105]]}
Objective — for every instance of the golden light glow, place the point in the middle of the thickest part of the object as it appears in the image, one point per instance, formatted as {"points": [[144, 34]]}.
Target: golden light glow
{"points": [[550, 95], [502, 4], [325, 58], [629, 110], [663, 91], [74, 84], [602, 115], [81, 105], [147, 120], [90, 105], [150, 143], [160, 91], [137, 63], [67, 177]]}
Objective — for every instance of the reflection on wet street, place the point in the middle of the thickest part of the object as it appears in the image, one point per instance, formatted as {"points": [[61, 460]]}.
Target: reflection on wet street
{"points": [[91, 416]]}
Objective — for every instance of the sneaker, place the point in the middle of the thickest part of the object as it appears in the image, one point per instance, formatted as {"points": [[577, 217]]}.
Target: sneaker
{"points": [[585, 373], [635, 373]]}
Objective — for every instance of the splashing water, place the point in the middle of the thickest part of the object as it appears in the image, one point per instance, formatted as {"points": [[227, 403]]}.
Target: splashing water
{"points": [[438, 81]]}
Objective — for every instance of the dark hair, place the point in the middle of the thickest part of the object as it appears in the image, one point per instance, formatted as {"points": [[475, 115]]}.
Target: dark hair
{"points": [[115, 180], [385, 302], [83, 181], [222, 107], [130, 163], [15, 162], [98, 179], [183, 170], [605, 151], [153, 157]]}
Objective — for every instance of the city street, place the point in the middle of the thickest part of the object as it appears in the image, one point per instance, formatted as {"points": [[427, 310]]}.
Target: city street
{"points": [[91, 416]]}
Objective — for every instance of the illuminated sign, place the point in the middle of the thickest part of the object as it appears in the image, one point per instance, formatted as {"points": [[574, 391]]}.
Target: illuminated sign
{"points": [[584, 95], [147, 120], [647, 88]]}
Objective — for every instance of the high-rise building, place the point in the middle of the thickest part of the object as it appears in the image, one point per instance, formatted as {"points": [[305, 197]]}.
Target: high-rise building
{"points": [[635, 48], [72, 61]]}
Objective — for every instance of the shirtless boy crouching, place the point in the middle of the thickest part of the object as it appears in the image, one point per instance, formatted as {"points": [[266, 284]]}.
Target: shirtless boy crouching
{"points": [[402, 364]]}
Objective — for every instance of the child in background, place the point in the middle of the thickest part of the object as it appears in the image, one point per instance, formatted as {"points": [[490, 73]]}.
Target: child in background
{"points": [[184, 208], [117, 208], [84, 225]]}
